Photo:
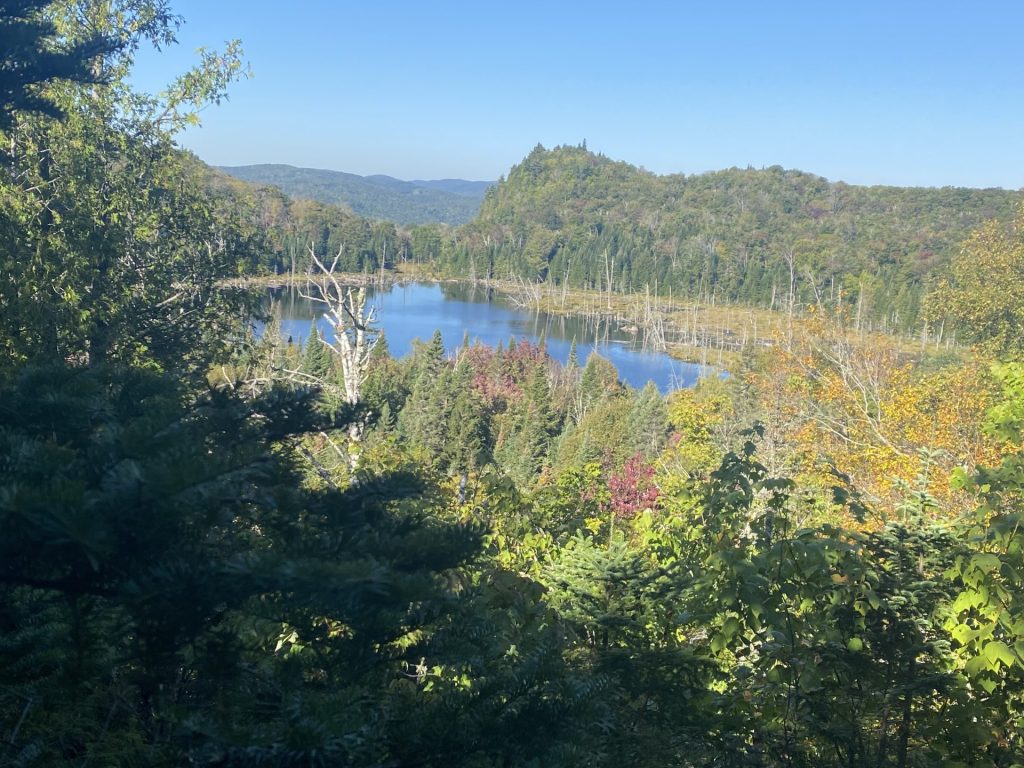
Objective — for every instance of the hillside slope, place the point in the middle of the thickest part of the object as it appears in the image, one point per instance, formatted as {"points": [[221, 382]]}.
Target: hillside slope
{"points": [[444, 201], [769, 237]]}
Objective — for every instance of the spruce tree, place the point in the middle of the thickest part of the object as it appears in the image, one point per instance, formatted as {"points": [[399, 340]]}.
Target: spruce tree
{"points": [[317, 359], [385, 390], [464, 449], [648, 421], [598, 380], [424, 419], [524, 448], [572, 363]]}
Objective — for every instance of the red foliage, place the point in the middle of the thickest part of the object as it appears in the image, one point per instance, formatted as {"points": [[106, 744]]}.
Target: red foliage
{"points": [[633, 489], [499, 377]]}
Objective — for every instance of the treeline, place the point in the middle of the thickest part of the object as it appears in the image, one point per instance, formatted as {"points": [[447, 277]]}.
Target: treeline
{"points": [[283, 229], [771, 237]]}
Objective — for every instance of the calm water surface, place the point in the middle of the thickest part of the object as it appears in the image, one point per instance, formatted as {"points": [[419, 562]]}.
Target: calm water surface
{"points": [[415, 310]]}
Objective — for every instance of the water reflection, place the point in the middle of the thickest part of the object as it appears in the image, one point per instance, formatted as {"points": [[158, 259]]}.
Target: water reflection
{"points": [[463, 311]]}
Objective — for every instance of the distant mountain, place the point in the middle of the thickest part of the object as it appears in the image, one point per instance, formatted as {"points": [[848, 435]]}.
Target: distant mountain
{"points": [[474, 189], [444, 201]]}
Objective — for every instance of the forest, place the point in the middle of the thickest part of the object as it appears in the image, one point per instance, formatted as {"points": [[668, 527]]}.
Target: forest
{"points": [[219, 547], [770, 238]]}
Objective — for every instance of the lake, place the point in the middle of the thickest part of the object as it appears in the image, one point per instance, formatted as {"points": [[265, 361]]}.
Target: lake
{"points": [[409, 311]]}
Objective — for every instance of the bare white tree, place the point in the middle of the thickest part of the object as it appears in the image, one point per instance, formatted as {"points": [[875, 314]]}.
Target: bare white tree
{"points": [[355, 333]]}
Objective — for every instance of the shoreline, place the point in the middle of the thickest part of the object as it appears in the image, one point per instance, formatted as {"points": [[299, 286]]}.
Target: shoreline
{"points": [[707, 334]]}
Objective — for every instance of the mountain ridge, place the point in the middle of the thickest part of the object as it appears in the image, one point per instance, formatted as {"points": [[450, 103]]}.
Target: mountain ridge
{"points": [[437, 201]]}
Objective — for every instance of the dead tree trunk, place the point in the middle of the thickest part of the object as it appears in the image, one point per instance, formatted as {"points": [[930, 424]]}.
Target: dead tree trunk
{"points": [[355, 336]]}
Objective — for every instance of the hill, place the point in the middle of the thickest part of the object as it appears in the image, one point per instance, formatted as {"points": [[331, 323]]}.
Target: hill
{"points": [[769, 237], [444, 201]]}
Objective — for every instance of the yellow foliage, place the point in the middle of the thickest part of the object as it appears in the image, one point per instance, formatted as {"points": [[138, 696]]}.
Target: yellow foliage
{"points": [[862, 405], [984, 294], [694, 415]]}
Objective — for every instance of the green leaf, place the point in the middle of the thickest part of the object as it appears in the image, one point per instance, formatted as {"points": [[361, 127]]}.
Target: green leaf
{"points": [[986, 562], [999, 652], [976, 665]]}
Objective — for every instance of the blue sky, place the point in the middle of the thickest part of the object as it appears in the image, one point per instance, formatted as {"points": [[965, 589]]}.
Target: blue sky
{"points": [[908, 93]]}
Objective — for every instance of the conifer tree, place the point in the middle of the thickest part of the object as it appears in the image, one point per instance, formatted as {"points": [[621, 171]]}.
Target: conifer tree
{"points": [[385, 389], [648, 421], [529, 425], [317, 360], [424, 419], [598, 380], [466, 433], [29, 60], [165, 546]]}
